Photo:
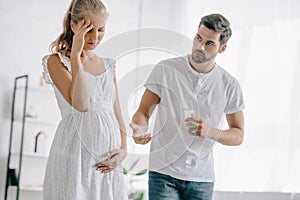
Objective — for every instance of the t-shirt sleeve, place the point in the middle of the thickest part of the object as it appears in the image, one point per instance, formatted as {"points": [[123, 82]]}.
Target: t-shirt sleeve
{"points": [[235, 99], [154, 81]]}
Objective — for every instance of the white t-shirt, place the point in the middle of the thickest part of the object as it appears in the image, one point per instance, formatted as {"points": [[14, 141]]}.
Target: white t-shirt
{"points": [[183, 92]]}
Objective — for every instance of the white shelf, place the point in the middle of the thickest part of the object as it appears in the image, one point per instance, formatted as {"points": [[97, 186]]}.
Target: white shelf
{"points": [[45, 88], [30, 188], [29, 154], [37, 188], [37, 121]]}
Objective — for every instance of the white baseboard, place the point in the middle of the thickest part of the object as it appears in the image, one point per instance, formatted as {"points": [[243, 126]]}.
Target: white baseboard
{"points": [[219, 195]]}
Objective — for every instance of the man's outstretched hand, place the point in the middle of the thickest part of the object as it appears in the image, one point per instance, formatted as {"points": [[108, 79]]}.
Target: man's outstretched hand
{"points": [[139, 134]]}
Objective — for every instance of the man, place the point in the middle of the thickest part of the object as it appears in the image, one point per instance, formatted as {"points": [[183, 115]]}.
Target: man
{"points": [[192, 95]]}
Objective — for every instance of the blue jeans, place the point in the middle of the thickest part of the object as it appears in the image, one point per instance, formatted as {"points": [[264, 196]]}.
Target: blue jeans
{"points": [[164, 187]]}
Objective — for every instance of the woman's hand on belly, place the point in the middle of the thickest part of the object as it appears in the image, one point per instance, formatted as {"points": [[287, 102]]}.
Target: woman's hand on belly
{"points": [[115, 157]]}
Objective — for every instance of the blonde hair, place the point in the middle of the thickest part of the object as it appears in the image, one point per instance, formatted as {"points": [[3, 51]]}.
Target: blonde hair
{"points": [[77, 11]]}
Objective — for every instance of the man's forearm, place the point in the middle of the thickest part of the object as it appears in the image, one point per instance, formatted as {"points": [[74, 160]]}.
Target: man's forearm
{"points": [[140, 118], [230, 137]]}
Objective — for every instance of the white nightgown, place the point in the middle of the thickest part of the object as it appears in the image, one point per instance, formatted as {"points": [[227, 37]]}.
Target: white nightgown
{"points": [[83, 139]]}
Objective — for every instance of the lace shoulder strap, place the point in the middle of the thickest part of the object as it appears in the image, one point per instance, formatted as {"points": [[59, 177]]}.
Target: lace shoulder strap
{"points": [[63, 59], [110, 64]]}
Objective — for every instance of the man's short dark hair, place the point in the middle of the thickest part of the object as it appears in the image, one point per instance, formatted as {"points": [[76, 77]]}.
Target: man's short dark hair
{"points": [[217, 23]]}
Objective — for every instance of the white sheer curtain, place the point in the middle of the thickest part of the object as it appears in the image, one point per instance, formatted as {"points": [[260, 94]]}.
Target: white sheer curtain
{"points": [[269, 159], [263, 54]]}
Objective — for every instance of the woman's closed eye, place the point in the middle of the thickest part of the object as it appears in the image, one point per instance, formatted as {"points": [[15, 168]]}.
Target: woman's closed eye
{"points": [[99, 30]]}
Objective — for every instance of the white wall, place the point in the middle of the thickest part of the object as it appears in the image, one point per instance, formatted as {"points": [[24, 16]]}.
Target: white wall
{"points": [[263, 54], [26, 29]]}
